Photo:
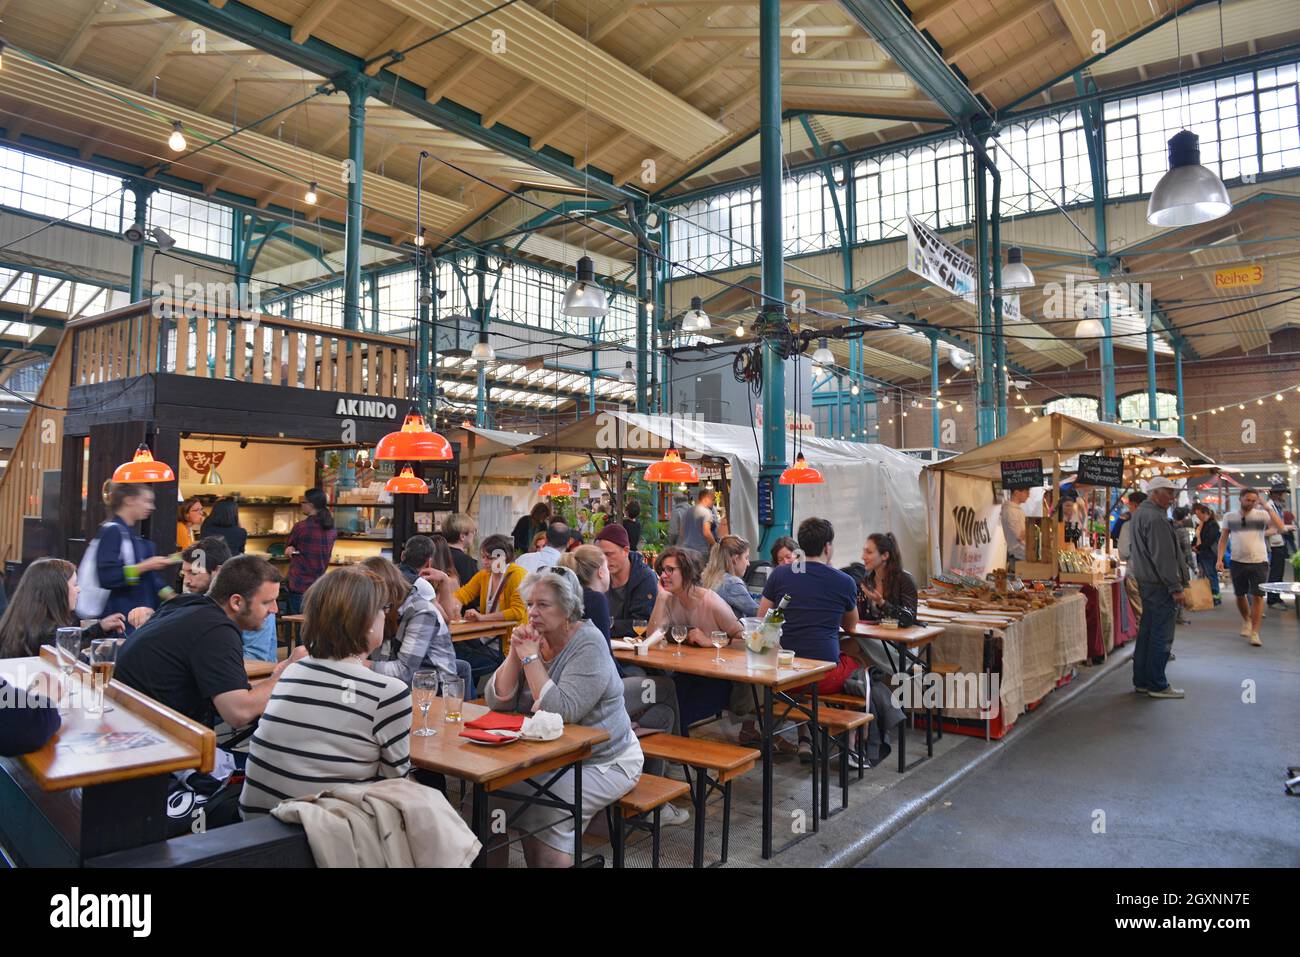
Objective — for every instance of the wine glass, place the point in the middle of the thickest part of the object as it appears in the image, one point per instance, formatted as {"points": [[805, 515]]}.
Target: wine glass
{"points": [[67, 642], [639, 625], [424, 688], [103, 659], [679, 635], [718, 639]]}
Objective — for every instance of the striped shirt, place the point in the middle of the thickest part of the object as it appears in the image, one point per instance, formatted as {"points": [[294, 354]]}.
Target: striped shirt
{"points": [[327, 723]]}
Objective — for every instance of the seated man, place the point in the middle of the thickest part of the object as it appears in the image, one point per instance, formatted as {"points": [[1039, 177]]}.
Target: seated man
{"points": [[417, 554], [190, 655], [820, 601], [200, 563]]}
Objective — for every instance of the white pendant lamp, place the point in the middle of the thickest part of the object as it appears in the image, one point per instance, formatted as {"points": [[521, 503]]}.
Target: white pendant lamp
{"points": [[1015, 274], [696, 320], [960, 359], [1189, 193], [823, 355], [1089, 329], [176, 141], [628, 375], [483, 351], [584, 297]]}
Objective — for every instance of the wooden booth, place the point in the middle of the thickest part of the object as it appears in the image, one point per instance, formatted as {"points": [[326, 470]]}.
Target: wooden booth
{"points": [[250, 406]]}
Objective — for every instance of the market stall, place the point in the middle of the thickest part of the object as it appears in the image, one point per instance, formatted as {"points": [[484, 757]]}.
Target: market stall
{"points": [[867, 488]]}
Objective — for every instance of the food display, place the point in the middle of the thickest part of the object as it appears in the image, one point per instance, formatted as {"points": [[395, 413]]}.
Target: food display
{"points": [[980, 597]]}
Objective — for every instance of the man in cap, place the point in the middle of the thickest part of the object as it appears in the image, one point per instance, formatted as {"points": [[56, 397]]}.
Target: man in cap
{"points": [[1155, 564], [1246, 528]]}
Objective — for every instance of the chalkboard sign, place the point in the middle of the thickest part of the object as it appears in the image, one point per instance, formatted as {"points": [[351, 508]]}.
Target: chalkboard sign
{"points": [[1022, 473], [1107, 470]]}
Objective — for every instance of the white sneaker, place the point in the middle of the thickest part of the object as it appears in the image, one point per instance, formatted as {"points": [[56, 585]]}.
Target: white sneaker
{"points": [[1254, 640], [670, 815]]}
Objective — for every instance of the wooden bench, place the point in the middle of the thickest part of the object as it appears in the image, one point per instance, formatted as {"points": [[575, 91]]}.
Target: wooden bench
{"points": [[836, 723], [648, 797], [716, 765]]}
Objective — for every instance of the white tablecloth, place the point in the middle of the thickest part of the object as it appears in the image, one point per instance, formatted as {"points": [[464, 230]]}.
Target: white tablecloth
{"points": [[1037, 652]]}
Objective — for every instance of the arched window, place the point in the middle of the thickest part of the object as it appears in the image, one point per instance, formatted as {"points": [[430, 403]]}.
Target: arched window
{"points": [[1080, 406], [1135, 411]]}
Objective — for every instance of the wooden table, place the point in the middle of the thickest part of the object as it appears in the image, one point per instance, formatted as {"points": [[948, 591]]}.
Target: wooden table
{"points": [[123, 796], [491, 769], [906, 642], [295, 629], [699, 661], [258, 669], [469, 630]]}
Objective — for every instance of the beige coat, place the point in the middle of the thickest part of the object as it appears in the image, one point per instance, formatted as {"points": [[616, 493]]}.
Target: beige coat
{"points": [[390, 823]]}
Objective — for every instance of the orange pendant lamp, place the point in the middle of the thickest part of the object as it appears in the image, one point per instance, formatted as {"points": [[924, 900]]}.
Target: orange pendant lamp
{"points": [[556, 487], [672, 469], [143, 468], [801, 473], [414, 442], [406, 483]]}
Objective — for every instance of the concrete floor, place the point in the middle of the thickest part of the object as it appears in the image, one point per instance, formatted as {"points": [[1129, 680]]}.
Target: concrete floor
{"points": [[1190, 783]]}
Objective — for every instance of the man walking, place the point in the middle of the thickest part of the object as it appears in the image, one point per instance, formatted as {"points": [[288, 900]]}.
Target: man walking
{"points": [[1278, 551], [1246, 528], [1155, 564]]}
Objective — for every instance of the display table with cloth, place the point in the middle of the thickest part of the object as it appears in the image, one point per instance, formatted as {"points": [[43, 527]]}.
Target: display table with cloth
{"points": [[1118, 623], [1036, 652]]}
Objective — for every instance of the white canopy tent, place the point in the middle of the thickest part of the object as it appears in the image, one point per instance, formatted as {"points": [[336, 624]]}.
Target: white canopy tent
{"points": [[868, 488]]}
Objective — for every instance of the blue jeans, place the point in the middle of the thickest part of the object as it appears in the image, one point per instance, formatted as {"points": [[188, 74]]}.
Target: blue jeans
{"points": [[1155, 635], [482, 659], [1209, 570]]}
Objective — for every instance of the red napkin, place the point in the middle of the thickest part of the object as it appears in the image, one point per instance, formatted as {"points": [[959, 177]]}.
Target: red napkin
{"points": [[485, 737], [497, 721]]}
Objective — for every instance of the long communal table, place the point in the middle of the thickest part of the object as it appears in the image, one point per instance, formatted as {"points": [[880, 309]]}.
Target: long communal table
{"points": [[492, 769], [774, 683], [100, 784]]}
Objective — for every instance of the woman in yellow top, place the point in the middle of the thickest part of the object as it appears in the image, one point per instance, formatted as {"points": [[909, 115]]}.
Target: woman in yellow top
{"points": [[189, 518], [495, 589]]}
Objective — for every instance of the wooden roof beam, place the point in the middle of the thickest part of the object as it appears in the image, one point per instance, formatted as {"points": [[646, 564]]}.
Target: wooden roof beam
{"points": [[403, 36], [1001, 22], [312, 17], [715, 34], [440, 87], [1017, 64], [155, 62], [79, 40]]}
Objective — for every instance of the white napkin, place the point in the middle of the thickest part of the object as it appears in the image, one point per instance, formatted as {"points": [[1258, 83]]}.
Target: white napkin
{"points": [[628, 644], [542, 726]]}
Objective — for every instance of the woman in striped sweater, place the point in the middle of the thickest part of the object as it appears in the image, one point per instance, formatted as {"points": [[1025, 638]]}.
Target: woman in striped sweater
{"points": [[331, 719]]}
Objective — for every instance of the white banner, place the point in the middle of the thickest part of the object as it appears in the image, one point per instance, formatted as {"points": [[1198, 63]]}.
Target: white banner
{"points": [[940, 262], [970, 535]]}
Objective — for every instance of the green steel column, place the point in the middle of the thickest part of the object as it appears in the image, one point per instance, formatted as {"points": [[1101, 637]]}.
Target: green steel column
{"points": [[1097, 168], [358, 87], [1178, 383], [1109, 409], [985, 423], [481, 311], [774, 320], [141, 191], [999, 342], [374, 302], [934, 388], [423, 375], [642, 313], [1153, 413], [660, 311], [595, 364]]}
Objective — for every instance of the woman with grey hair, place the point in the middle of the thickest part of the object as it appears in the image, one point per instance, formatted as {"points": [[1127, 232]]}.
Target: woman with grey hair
{"points": [[559, 662]]}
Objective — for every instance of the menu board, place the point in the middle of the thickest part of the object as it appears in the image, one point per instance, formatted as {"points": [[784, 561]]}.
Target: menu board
{"points": [[1106, 470], [1022, 473]]}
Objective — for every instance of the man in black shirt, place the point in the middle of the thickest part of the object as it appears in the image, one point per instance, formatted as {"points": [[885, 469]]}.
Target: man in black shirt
{"points": [[459, 530], [190, 655]]}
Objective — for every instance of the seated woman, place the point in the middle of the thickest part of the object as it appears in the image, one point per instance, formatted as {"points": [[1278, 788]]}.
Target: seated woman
{"points": [[42, 603], [416, 636], [728, 562], [495, 592], [784, 550], [307, 740], [588, 563], [560, 663], [444, 577], [886, 591]]}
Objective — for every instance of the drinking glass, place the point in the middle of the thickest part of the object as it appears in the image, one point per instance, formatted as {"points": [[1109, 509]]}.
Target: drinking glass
{"points": [[639, 625], [718, 639], [424, 688], [453, 698], [103, 658], [679, 635], [67, 642]]}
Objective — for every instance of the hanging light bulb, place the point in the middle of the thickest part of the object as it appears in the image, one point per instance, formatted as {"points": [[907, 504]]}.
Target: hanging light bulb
{"points": [[584, 297], [672, 469], [1015, 274], [1189, 193], [419, 239], [959, 408], [801, 473], [483, 351], [916, 403], [1278, 397], [853, 389], [960, 359], [823, 356], [414, 442], [740, 329], [143, 468], [628, 374], [696, 319], [1259, 401], [176, 142], [556, 487], [310, 198], [406, 483]]}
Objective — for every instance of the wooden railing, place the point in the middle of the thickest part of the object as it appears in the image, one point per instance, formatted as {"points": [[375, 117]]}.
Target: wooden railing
{"points": [[39, 448], [212, 342]]}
